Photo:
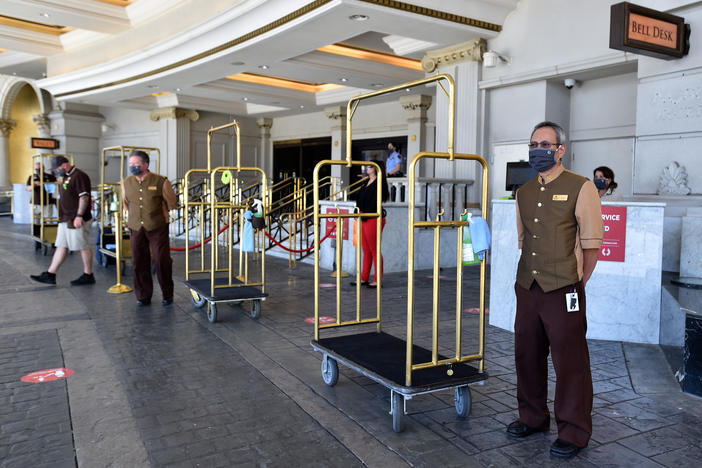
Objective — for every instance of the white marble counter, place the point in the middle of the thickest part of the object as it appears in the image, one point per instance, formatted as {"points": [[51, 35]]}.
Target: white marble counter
{"points": [[623, 298]]}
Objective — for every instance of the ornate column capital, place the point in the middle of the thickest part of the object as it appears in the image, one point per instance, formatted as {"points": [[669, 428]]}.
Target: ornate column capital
{"points": [[336, 112], [465, 52], [6, 126], [43, 124], [174, 113], [416, 105], [264, 123]]}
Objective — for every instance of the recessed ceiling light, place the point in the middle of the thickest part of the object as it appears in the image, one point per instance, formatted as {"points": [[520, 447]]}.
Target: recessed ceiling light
{"points": [[344, 80], [152, 86], [44, 14], [178, 89], [245, 99], [408, 90], [14, 73], [237, 63], [263, 67], [301, 106], [377, 85], [359, 17]]}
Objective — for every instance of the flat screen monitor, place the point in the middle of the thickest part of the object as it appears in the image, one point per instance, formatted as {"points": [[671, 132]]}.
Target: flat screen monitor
{"points": [[518, 173]]}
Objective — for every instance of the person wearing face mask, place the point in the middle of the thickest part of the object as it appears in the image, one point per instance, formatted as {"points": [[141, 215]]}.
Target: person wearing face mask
{"points": [[603, 177], [560, 229], [74, 222], [367, 202], [393, 165], [148, 197]]}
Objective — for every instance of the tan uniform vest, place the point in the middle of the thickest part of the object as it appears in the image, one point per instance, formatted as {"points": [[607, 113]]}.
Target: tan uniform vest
{"points": [[145, 202], [550, 229]]}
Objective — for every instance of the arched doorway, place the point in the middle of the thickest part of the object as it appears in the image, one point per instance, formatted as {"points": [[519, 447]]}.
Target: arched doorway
{"points": [[23, 109]]}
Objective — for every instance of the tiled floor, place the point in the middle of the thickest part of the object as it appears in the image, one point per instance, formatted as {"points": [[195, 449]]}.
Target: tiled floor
{"points": [[160, 386]]}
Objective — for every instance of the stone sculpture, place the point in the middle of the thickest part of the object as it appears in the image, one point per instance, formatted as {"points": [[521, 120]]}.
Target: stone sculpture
{"points": [[673, 180]]}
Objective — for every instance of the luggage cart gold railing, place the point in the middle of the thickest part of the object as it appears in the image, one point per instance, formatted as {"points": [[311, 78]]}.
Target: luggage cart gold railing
{"points": [[404, 367], [45, 228], [230, 288], [112, 213]]}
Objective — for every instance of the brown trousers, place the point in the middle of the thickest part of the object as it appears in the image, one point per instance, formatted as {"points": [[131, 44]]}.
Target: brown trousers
{"points": [[543, 321], [144, 243]]}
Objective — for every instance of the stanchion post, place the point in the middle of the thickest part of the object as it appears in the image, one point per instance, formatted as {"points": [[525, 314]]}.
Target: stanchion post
{"points": [[118, 288]]}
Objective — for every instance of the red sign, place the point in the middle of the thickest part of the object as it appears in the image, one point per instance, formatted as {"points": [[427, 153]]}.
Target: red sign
{"points": [[331, 223], [43, 143], [614, 241], [322, 319], [47, 375]]}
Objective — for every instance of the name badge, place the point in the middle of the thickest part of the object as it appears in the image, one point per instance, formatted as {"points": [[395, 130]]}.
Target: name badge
{"points": [[560, 198], [572, 304], [152, 187]]}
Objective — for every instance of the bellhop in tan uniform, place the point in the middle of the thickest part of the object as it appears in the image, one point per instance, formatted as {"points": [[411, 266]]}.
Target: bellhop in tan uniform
{"points": [[148, 197], [559, 224]]}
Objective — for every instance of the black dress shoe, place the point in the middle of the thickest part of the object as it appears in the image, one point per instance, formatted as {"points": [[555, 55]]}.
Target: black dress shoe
{"points": [[564, 449], [363, 283], [144, 303], [167, 301], [519, 430], [45, 277]]}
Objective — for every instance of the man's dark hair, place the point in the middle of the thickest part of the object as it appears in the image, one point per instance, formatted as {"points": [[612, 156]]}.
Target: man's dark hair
{"points": [[394, 145], [141, 155], [560, 133]]}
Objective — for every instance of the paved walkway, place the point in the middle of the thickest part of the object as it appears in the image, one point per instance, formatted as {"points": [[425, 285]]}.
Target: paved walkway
{"points": [[160, 386]]}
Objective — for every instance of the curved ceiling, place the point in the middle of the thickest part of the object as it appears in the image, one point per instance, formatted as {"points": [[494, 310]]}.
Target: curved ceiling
{"points": [[249, 57]]}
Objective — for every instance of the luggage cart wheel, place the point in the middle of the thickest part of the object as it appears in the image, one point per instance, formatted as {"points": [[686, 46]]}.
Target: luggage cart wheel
{"points": [[397, 408], [212, 312], [330, 371], [255, 309], [197, 300], [462, 400]]}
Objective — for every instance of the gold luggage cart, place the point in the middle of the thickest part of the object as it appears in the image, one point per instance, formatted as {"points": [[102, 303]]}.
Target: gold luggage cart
{"points": [[45, 228], [111, 219], [406, 369], [228, 287]]}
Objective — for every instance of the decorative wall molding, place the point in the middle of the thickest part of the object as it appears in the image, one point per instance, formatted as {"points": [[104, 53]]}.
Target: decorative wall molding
{"points": [[6, 126], [465, 52], [174, 113], [673, 180], [264, 123]]}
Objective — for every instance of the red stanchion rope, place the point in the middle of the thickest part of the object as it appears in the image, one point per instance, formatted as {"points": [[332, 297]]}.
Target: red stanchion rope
{"points": [[298, 250], [195, 246]]}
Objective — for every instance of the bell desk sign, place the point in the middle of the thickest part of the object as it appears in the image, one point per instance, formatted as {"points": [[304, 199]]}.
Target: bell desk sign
{"points": [[331, 223], [43, 143], [614, 240], [644, 31]]}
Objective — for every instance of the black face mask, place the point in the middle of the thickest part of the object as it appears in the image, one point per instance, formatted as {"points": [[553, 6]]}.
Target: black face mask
{"points": [[601, 184], [60, 173]]}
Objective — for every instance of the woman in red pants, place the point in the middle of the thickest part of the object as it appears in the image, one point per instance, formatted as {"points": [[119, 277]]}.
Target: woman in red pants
{"points": [[366, 201]]}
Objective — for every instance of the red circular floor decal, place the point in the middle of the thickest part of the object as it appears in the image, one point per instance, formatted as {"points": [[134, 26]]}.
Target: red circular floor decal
{"points": [[47, 375], [476, 310], [323, 319]]}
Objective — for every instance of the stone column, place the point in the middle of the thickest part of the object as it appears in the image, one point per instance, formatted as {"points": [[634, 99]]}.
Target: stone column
{"points": [[174, 141], [6, 126], [463, 62], [459, 198], [77, 127], [265, 145], [447, 203], [337, 115], [416, 106]]}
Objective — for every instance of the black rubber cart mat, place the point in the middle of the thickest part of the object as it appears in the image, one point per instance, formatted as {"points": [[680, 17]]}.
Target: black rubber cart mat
{"points": [[231, 293], [382, 358]]}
